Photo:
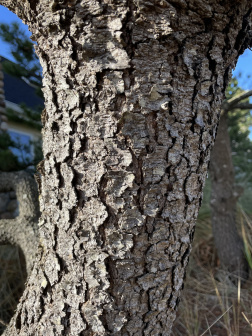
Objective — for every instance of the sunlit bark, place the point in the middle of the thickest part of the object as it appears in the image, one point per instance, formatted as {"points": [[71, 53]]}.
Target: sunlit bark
{"points": [[132, 91]]}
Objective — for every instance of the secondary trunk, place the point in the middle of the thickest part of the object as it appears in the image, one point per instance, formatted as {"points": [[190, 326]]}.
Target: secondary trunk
{"points": [[223, 205], [23, 230], [132, 91]]}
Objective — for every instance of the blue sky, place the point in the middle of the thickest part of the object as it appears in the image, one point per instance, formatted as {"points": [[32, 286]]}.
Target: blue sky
{"points": [[7, 16], [244, 69], [244, 64]]}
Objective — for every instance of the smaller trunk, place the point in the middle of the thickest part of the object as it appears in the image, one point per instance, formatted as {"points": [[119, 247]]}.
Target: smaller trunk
{"points": [[23, 230], [224, 197]]}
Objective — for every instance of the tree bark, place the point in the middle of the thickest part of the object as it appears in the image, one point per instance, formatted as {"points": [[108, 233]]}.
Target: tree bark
{"points": [[23, 230], [132, 91]]}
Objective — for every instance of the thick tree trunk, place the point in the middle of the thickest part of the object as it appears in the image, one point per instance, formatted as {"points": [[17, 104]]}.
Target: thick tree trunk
{"points": [[132, 92], [224, 195]]}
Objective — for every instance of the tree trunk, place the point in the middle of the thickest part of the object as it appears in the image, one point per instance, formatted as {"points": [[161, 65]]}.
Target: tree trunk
{"points": [[23, 230], [132, 91], [224, 195]]}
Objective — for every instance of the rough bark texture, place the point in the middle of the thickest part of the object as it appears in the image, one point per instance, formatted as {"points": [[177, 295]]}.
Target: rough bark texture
{"points": [[224, 196], [132, 91], [23, 230]]}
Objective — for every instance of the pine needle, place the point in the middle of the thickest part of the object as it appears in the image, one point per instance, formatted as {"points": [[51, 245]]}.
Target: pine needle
{"points": [[3, 323], [247, 320], [216, 321]]}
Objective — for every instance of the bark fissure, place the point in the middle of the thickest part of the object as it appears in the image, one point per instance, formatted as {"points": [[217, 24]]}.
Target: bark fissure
{"points": [[132, 90]]}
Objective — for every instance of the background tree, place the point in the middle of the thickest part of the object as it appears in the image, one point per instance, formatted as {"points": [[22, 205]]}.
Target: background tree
{"points": [[21, 233], [239, 124], [225, 191], [26, 64], [132, 92]]}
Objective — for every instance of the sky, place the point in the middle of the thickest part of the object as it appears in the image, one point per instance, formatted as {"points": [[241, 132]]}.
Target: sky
{"points": [[243, 67], [7, 16]]}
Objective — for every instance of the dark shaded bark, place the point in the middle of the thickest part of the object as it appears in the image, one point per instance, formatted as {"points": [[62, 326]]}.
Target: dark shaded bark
{"points": [[132, 90]]}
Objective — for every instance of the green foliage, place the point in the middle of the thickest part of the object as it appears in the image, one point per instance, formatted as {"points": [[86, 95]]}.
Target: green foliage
{"points": [[28, 116], [239, 121], [8, 161], [22, 49]]}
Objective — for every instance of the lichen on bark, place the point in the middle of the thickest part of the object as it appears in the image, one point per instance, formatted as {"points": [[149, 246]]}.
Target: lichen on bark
{"points": [[132, 91]]}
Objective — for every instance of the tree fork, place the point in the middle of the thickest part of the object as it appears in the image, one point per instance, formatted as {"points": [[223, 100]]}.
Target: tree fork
{"points": [[132, 91]]}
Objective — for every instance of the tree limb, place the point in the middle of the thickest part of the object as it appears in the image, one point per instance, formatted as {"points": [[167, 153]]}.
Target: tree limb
{"points": [[243, 106], [231, 103]]}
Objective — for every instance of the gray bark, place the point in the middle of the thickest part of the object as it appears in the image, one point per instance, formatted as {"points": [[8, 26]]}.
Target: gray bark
{"points": [[23, 230], [132, 91]]}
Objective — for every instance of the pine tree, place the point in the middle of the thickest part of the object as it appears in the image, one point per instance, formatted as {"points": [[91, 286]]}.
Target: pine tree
{"points": [[226, 171], [132, 90], [26, 63]]}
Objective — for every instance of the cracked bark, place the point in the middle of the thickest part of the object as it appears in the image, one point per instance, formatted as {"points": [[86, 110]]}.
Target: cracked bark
{"points": [[132, 91]]}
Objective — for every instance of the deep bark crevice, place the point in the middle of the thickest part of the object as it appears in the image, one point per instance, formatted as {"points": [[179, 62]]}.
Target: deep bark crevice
{"points": [[134, 89]]}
